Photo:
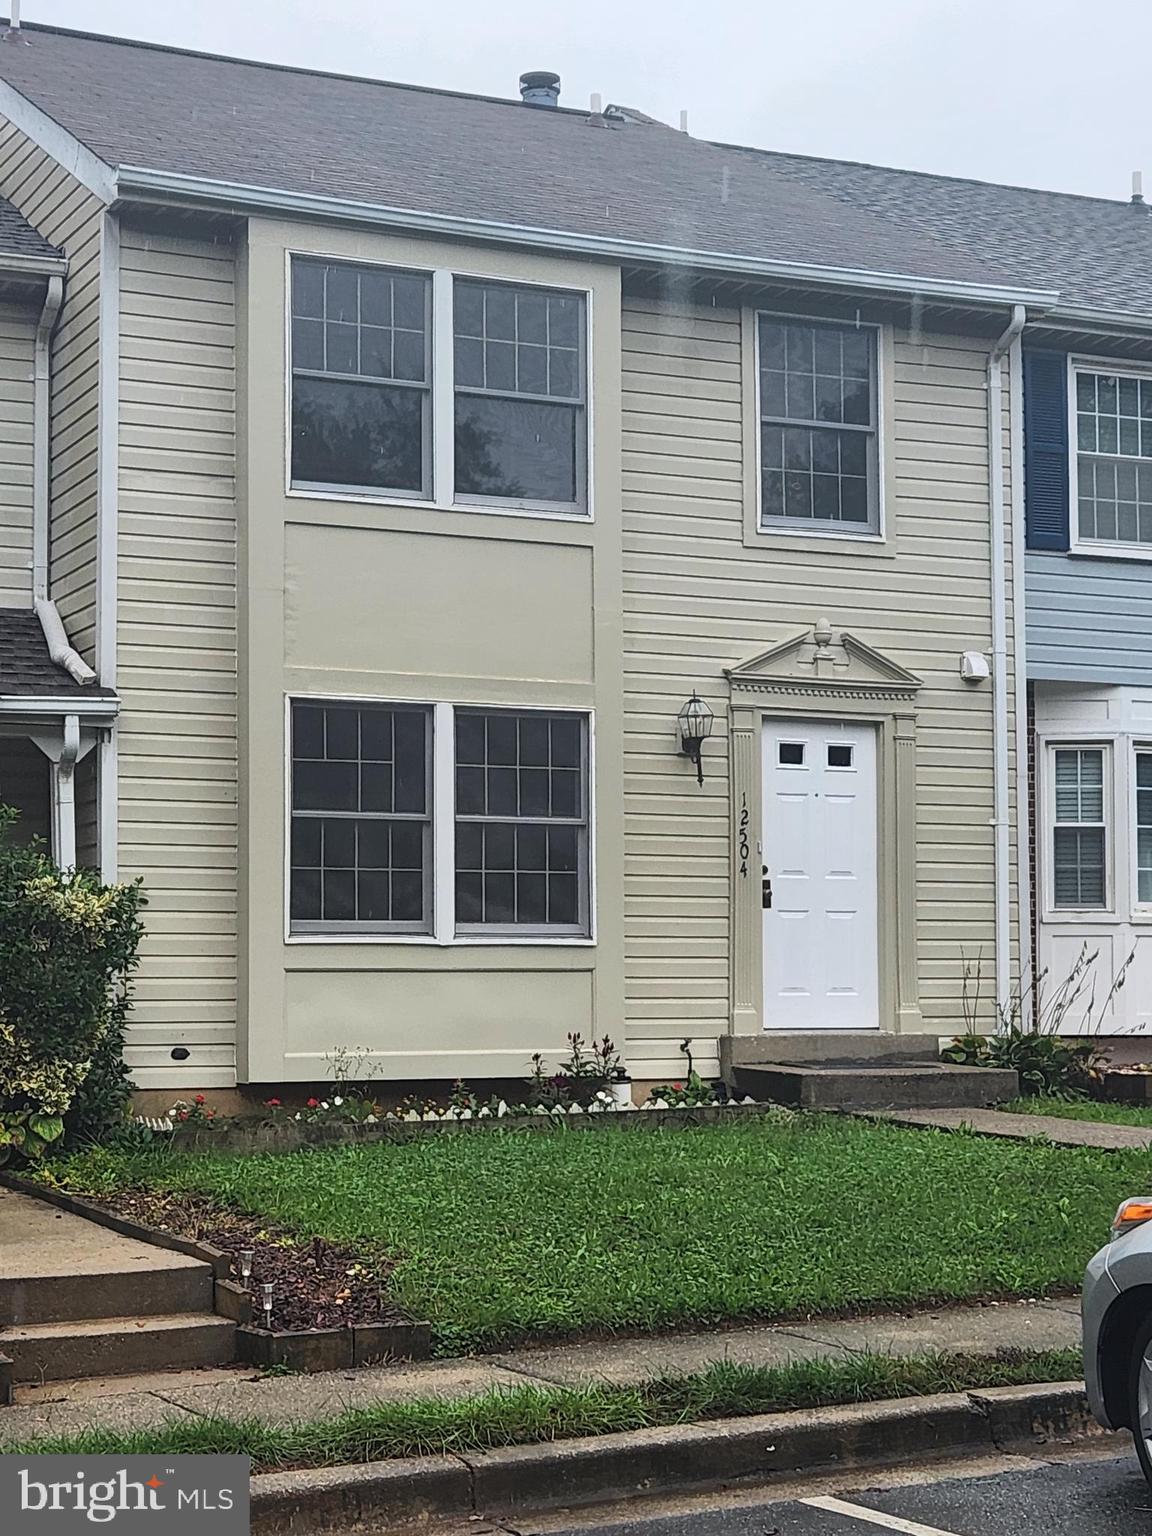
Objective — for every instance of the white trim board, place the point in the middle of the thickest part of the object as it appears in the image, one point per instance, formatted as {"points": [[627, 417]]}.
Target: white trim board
{"points": [[77, 159]]}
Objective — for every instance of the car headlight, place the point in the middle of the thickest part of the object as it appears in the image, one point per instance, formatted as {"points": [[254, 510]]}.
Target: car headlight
{"points": [[1132, 1213]]}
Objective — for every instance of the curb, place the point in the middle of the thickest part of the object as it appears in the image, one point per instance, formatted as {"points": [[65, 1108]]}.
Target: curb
{"points": [[717, 1454]]}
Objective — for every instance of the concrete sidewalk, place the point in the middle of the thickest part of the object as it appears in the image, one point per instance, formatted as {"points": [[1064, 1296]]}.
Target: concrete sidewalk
{"points": [[1059, 1129], [137, 1403]]}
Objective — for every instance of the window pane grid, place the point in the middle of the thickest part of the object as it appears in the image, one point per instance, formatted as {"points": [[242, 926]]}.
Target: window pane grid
{"points": [[521, 821], [817, 423], [361, 830], [1079, 833], [1114, 457], [361, 372], [520, 385]]}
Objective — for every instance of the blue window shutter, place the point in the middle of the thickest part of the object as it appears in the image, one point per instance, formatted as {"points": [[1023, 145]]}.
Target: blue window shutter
{"points": [[1046, 450]]}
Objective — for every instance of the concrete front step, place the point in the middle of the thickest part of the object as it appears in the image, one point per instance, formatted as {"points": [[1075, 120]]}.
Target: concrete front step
{"points": [[823, 1047], [866, 1085], [118, 1346], [171, 1283]]}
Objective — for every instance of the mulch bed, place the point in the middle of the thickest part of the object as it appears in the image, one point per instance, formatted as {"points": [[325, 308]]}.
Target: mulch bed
{"points": [[317, 1284]]}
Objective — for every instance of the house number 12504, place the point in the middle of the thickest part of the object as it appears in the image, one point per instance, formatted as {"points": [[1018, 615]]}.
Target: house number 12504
{"points": [[742, 843]]}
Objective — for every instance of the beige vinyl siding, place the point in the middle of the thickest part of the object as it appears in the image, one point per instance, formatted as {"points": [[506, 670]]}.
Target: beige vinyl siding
{"points": [[68, 215], [177, 648], [698, 599], [17, 391]]}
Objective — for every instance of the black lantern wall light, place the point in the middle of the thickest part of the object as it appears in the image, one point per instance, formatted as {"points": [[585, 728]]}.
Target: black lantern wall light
{"points": [[695, 722]]}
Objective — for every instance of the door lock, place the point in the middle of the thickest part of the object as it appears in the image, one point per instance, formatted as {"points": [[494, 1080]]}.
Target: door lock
{"points": [[765, 889]]}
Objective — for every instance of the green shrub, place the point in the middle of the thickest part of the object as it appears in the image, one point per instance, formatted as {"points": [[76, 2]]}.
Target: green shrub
{"points": [[68, 947]]}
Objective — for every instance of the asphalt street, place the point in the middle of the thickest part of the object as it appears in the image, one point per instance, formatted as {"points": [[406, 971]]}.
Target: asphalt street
{"points": [[1085, 1494]]}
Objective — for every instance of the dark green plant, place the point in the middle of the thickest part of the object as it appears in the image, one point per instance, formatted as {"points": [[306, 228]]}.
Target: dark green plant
{"points": [[1050, 1037], [68, 947], [1066, 1065]]}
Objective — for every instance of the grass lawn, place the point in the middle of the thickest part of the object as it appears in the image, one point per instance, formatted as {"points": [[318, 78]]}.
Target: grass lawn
{"points": [[1083, 1109], [507, 1234], [530, 1414]]}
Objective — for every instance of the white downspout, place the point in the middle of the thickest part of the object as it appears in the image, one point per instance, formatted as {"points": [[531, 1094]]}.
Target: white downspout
{"points": [[1001, 825], [1020, 649], [41, 434], [57, 641]]}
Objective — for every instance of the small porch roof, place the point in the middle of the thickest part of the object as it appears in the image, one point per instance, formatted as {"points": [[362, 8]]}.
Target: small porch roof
{"points": [[31, 681]]}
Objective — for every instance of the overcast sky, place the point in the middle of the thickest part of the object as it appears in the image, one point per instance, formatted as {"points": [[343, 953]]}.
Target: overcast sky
{"points": [[1047, 93]]}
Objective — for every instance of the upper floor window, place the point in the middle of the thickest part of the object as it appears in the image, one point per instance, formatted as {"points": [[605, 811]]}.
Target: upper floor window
{"points": [[1113, 457], [520, 420], [511, 381], [361, 377], [818, 426]]}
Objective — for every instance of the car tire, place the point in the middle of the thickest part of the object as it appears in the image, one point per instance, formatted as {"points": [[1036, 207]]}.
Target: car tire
{"points": [[1140, 1397]]}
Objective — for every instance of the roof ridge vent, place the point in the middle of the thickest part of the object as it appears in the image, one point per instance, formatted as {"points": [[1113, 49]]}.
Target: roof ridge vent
{"points": [[540, 88]]}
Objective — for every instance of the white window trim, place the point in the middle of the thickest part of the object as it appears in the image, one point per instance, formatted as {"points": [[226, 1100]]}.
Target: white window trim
{"points": [[1113, 831], [814, 528], [1096, 549], [442, 392], [1141, 911], [443, 933]]}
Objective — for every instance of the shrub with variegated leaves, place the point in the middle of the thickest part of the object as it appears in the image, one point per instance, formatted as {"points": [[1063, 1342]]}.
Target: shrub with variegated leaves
{"points": [[68, 947]]}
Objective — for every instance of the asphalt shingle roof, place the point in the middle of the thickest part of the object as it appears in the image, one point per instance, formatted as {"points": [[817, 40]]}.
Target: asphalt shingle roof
{"points": [[468, 157], [1097, 252], [18, 237], [407, 147], [27, 670]]}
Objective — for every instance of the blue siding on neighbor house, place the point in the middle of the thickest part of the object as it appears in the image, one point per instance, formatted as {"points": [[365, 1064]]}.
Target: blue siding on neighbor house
{"points": [[1089, 620]]}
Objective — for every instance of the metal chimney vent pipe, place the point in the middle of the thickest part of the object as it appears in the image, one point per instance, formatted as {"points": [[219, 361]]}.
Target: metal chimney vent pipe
{"points": [[540, 88]]}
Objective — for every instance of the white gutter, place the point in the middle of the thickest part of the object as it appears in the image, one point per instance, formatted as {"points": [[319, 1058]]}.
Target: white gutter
{"points": [[58, 648], [41, 434], [1020, 658], [15, 264], [1001, 824], [134, 180]]}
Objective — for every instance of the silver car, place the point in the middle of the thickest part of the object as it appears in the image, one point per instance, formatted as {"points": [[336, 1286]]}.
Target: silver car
{"points": [[1117, 1313]]}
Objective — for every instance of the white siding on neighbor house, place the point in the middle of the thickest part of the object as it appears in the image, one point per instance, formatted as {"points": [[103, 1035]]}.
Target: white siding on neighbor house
{"points": [[17, 391], [697, 600], [68, 215], [177, 649]]}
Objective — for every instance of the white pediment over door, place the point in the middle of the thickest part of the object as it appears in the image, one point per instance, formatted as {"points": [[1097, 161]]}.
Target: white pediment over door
{"points": [[823, 660]]}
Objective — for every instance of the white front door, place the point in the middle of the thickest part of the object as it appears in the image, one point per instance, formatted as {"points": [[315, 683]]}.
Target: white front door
{"points": [[820, 882]]}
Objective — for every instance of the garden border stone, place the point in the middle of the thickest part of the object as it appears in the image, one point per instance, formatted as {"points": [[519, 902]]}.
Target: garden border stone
{"points": [[256, 1133], [1128, 1087], [318, 1349]]}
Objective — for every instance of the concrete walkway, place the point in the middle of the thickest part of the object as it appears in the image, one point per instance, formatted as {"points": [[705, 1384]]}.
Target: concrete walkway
{"points": [[37, 1241], [1061, 1130], [137, 1403]]}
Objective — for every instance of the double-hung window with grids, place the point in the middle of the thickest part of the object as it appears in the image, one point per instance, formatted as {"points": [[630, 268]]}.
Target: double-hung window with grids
{"points": [[361, 377], [520, 394], [819, 426], [361, 845], [521, 822], [1113, 458]]}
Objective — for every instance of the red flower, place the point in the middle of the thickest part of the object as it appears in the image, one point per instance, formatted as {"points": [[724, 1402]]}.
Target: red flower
{"points": [[272, 1103], [200, 1098], [677, 1087], [313, 1103], [183, 1115]]}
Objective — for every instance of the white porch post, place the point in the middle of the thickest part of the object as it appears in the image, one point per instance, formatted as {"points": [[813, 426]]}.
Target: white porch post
{"points": [[64, 795]]}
